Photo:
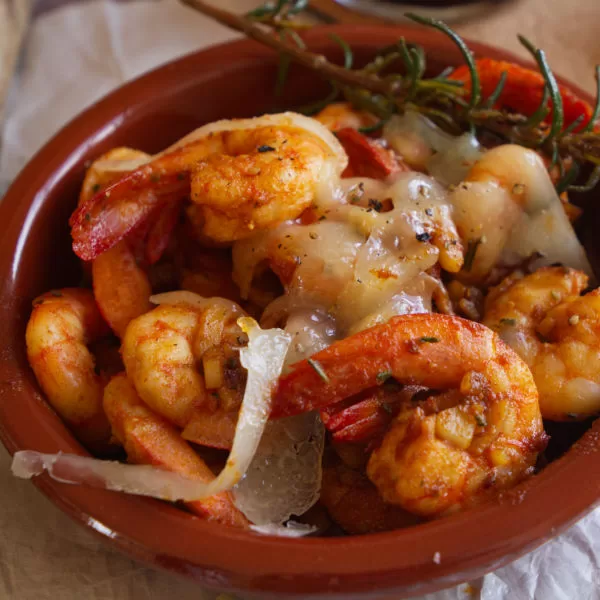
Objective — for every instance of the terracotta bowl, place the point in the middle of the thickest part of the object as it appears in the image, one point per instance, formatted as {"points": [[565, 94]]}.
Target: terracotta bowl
{"points": [[236, 80]]}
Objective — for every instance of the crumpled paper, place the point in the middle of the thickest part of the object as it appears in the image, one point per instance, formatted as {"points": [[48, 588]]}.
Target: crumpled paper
{"points": [[76, 52]]}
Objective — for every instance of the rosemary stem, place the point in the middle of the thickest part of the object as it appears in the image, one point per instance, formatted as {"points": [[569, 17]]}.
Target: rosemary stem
{"points": [[316, 62]]}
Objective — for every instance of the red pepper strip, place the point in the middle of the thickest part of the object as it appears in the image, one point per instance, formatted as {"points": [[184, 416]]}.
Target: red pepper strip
{"points": [[367, 158], [523, 90]]}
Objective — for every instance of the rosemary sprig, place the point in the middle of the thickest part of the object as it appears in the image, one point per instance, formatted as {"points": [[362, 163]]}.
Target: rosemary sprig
{"points": [[379, 88], [467, 54], [317, 62], [495, 95], [551, 85], [596, 111]]}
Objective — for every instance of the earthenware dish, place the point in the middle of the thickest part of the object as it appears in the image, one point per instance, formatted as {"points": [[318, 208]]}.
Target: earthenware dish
{"points": [[236, 80]]}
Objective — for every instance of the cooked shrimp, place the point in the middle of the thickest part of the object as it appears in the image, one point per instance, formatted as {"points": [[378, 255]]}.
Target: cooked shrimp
{"points": [[107, 169], [354, 503], [557, 333], [246, 175], [121, 287], [482, 438], [342, 115], [150, 439], [63, 323], [507, 210], [161, 350]]}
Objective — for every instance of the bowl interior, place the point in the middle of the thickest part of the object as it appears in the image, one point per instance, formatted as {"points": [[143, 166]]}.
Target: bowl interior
{"points": [[237, 80]]}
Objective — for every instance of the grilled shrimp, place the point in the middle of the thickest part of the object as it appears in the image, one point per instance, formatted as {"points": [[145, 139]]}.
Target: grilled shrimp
{"points": [[245, 175], [507, 210], [437, 457], [342, 115], [107, 169], [161, 350], [62, 325], [557, 333], [150, 439], [121, 286]]}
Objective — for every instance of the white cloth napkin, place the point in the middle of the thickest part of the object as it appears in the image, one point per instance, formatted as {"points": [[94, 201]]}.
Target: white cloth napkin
{"points": [[76, 52]]}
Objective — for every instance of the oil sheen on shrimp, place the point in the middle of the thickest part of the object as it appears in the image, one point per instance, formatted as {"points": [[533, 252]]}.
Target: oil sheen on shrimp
{"points": [[481, 439], [557, 333], [62, 325], [244, 175]]}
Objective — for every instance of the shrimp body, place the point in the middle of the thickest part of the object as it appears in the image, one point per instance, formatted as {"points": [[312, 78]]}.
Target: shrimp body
{"points": [[507, 210], [151, 440], [259, 179], [121, 287], [243, 175], [62, 325], [342, 115], [557, 333], [482, 438], [161, 353]]}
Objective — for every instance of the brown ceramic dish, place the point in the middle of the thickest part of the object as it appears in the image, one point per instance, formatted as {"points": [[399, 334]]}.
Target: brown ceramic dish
{"points": [[236, 80]]}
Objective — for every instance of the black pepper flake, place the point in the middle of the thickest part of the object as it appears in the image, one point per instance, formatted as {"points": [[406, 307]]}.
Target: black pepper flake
{"points": [[266, 149], [423, 237], [96, 187], [87, 217], [429, 212], [510, 322], [180, 176], [376, 204], [322, 218], [429, 340], [313, 236]]}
